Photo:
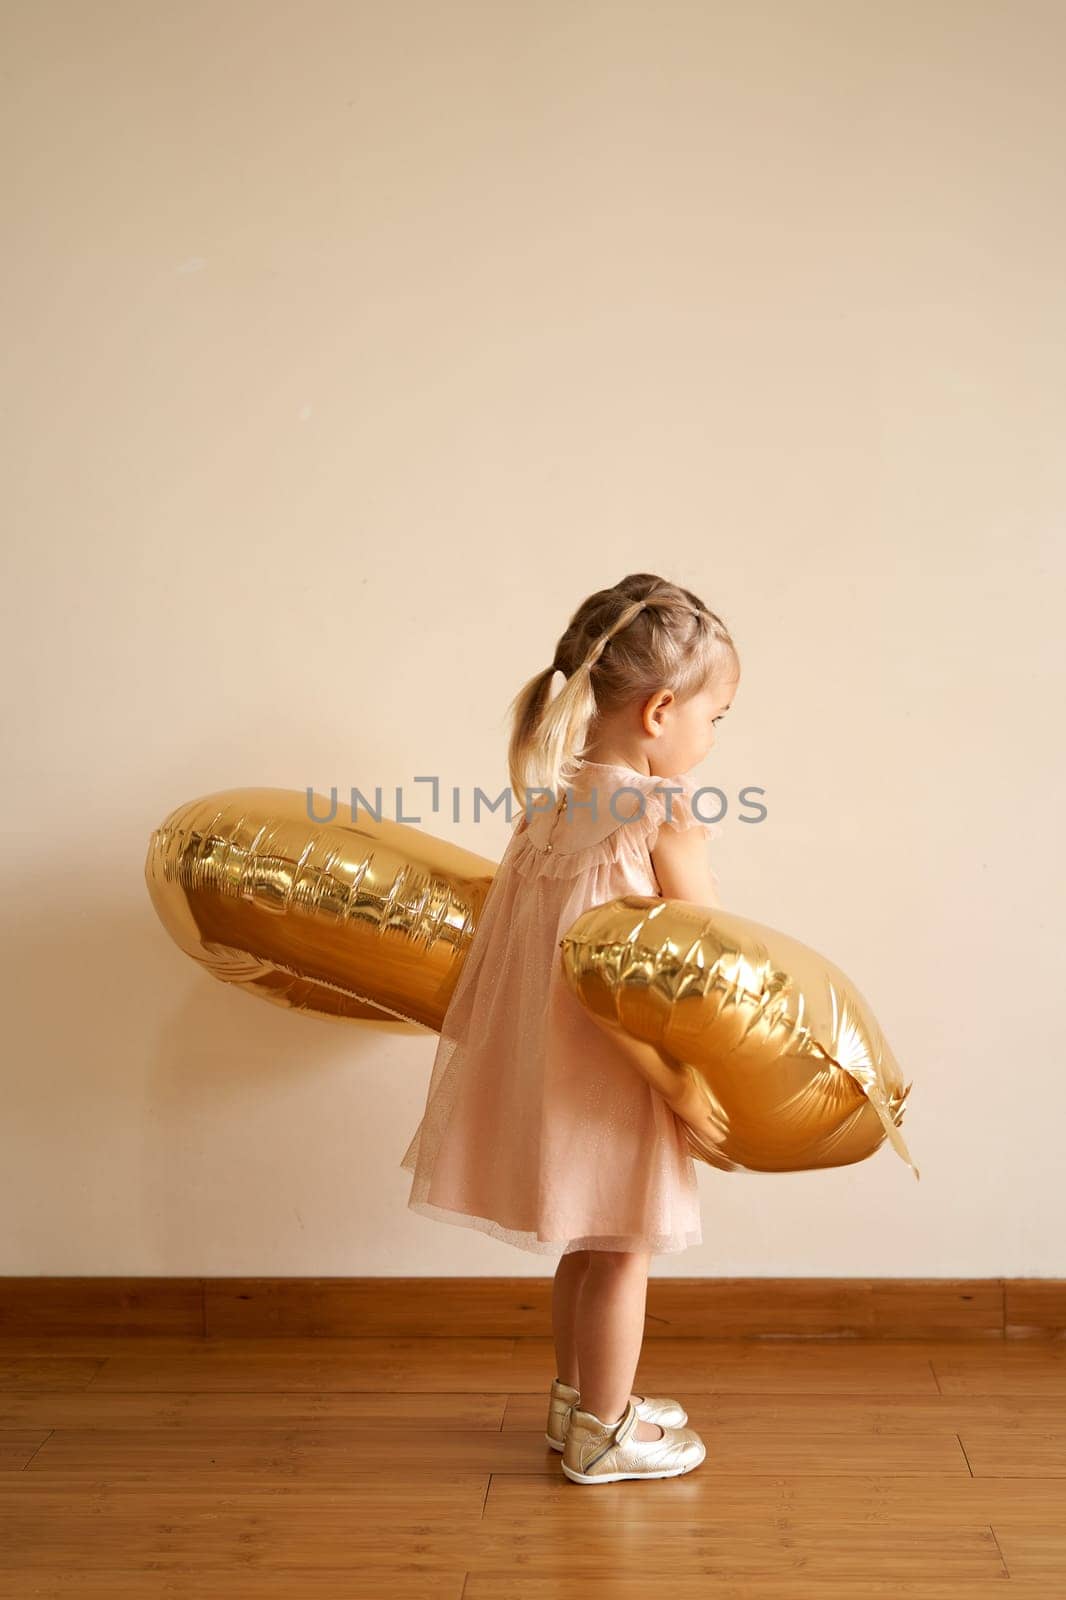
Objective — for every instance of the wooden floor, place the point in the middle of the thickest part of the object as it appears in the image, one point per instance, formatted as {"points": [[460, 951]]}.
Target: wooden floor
{"points": [[417, 1469]]}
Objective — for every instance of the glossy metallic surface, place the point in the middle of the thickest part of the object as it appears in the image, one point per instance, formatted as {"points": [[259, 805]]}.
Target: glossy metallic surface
{"points": [[768, 1053]]}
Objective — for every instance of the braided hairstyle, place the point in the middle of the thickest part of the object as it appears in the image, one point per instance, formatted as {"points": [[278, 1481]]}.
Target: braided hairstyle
{"points": [[622, 644]]}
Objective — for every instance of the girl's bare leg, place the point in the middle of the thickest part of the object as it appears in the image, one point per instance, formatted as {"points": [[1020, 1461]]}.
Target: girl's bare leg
{"points": [[608, 1333], [566, 1290]]}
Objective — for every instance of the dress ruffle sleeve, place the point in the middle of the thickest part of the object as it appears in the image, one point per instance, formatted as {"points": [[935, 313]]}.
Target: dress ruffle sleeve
{"points": [[673, 804]]}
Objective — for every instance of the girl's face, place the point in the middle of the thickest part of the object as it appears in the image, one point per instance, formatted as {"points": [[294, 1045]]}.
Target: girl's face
{"points": [[686, 731]]}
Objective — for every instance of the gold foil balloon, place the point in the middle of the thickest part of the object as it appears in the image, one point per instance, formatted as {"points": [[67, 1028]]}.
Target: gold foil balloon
{"points": [[776, 1062], [359, 919]]}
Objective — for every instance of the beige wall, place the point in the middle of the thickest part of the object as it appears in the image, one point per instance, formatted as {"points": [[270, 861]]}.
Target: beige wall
{"points": [[348, 347]]}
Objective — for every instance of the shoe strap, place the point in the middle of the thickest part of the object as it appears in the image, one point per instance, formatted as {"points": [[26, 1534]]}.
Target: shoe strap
{"points": [[627, 1424], [621, 1431]]}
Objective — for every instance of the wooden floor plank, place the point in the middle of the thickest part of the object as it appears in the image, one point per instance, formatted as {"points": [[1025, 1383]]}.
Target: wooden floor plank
{"points": [[57, 1374], [183, 1454], [270, 1365], [906, 1501], [519, 1364], [789, 1586], [1004, 1368], [256, 1409], [220, 1532], [298, 1584]]}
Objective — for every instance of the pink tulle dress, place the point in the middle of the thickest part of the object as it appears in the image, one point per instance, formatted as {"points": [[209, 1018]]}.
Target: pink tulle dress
{"points": [[537, 1130]]}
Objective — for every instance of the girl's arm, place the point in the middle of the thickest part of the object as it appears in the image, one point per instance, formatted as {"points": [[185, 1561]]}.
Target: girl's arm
{"points": [[682, 868]]}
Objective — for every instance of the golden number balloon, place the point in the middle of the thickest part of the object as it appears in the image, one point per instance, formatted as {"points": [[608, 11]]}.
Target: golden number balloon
{"points": [[776, 1062], [354, 919]]}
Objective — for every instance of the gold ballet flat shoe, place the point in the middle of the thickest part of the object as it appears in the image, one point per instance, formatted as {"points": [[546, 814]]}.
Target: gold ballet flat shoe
{"points": [[602, 1452], [667, 1413]]}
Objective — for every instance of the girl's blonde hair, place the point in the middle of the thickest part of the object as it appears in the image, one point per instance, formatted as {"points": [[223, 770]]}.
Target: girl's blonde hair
{"points": [[622, 644]]}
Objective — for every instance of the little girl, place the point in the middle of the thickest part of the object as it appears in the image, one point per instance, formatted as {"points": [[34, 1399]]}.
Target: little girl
{"points": [[539, 1127]]}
